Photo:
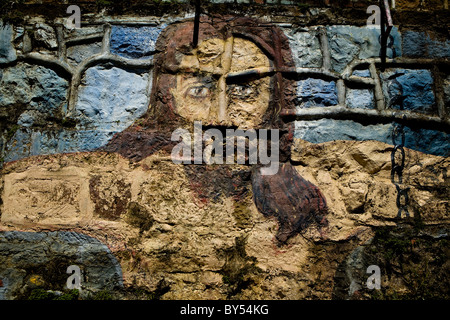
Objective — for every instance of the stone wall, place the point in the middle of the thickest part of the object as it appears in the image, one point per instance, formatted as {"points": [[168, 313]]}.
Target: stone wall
{"points": [[85, 148], [336, 73]]}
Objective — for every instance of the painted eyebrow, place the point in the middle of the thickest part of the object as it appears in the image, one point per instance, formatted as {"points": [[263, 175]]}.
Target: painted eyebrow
{"points": [[259, 72], [196, 80]]}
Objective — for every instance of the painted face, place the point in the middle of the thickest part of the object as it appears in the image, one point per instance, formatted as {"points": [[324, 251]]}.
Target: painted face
{"points": [[211, 86]]}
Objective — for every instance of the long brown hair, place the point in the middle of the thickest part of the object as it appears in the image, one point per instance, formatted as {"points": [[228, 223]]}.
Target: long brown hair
{"points": [[296, 202]]}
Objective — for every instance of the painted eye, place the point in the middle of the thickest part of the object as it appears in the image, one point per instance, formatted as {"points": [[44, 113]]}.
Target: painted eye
{"points": [[244, 91], [198, 92]]}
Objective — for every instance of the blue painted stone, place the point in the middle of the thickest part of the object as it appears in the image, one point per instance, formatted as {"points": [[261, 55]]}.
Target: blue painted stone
{"points": [[7, 51], [28, 142], [17, 236], [45, 36], [428, 141], [414, 44], [420, 44], [39, 89], [324, 130], [110, 98], [362, 73], [316, 92], [305, 47], [79, 53], [360, 98], [89, 140], [25, 253], [447, 93], [414, 87], [19, 146], [350, 42], [343, 50], [44, 142], [47, 142], [26, 119], [134, 42]]}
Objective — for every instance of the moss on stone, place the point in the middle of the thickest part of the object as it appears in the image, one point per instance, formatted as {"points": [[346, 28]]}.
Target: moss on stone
{"points": [[11, 131], [238, 268], [72, 294], [242, 214], [101, 295], [413, 264], [43, 294], [139, 217]]}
